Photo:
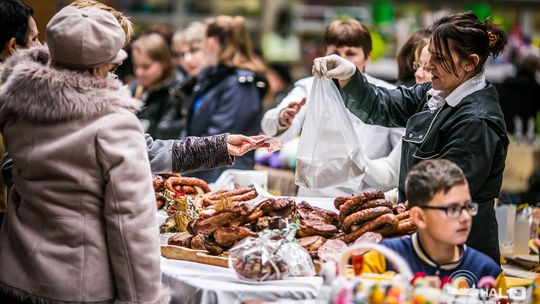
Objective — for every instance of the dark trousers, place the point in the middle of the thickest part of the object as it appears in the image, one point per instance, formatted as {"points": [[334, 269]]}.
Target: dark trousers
{"points": [[484, 235]]}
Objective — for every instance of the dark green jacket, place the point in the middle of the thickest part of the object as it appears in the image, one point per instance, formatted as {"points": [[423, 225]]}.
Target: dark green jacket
{"points": [[472, 134]]}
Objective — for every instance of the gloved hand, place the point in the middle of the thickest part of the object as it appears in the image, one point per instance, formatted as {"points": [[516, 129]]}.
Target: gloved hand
{"points": [[333, 66]]}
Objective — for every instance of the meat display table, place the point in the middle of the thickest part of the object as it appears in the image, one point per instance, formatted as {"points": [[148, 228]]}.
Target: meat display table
{"points": [[198, 283]]}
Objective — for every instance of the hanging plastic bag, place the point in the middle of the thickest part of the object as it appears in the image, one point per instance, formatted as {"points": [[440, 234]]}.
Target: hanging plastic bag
{"points": [[329, 154]]}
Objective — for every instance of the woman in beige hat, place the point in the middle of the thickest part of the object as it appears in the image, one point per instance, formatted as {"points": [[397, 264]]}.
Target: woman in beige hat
{"points": [[80, 224]]}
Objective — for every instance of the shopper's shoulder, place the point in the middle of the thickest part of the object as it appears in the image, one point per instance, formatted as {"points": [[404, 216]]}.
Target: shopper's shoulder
{"points": [[244, 76]]}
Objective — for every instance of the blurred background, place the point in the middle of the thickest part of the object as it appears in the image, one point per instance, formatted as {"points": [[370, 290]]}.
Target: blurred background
{"points": [[287, 34], [298, 25]]}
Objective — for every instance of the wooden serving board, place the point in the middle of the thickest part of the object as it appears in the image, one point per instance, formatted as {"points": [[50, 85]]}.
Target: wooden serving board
{"points": [[192, 255]]}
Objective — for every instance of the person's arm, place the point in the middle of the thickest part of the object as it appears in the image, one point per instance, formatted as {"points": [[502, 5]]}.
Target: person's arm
{"points": [[129, 211], [190, 154], [372, 104], [381, 106], [383, 173]]}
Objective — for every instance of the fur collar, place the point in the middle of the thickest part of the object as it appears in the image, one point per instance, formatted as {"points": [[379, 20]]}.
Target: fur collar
{"points": [[35, 90]]}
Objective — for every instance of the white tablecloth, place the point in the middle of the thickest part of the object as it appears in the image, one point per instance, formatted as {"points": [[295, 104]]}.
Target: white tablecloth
{"points": [[198, 283]]}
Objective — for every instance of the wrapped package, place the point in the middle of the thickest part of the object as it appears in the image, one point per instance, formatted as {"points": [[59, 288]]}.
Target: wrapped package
{"points": [[273, 255]]}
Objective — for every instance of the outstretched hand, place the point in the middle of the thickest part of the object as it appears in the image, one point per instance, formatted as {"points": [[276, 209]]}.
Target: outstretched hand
{"points": [[286, 115], [238, 144]]}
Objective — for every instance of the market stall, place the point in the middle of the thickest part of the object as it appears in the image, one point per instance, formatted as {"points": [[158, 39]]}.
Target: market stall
{"points": [[195, 267]]}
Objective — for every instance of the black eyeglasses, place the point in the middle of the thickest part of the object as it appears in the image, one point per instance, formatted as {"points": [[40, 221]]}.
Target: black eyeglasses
{"points": [[454, 211]]}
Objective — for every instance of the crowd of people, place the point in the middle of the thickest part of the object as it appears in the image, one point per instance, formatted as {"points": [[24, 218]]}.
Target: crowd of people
{"points": [[81, 145]]}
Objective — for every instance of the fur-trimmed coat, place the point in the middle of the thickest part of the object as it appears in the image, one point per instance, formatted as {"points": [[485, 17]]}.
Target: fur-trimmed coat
{"points": [[80, 224]]}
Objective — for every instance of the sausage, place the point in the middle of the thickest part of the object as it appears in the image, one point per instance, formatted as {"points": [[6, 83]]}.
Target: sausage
{"points": [[244, 197], [403, 215], [340, 200], [218, 195], [350, 207], [347, 208], [388, 219], [377, 203], [400, 208], [362, 216], [215, 193], [351, 204], [186, 181], [189, 190], [386, 231], [368, 195], [405, 227], [207, 202]]}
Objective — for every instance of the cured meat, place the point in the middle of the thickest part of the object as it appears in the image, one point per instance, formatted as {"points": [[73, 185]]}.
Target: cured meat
{"points": [[228, 236], [312, 244], [238, 214], [363, 216], [182, 239], [331, 250], [282, 207], [315, 221], [351, 207], [186, 181], [385, 220]]}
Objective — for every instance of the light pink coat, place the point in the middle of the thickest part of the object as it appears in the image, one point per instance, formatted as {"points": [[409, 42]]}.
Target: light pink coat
{"points": [[80, 224]]}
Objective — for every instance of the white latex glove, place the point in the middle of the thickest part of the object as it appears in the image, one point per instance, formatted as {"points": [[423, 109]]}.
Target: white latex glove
{"points": [[333, 66]]}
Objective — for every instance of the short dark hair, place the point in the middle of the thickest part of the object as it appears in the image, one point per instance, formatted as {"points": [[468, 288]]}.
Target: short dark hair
{"points": [[14, 15], [469, 36], [348, 32], [430, 177]]}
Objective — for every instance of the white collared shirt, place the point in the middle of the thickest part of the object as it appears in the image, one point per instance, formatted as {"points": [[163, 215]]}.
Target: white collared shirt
{"points": [[468, 87]]}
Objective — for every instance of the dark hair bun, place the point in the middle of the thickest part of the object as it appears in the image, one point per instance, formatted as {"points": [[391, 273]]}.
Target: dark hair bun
{"points": [[497, 39]]}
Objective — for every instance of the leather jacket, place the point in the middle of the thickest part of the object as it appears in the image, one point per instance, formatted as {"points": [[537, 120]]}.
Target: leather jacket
{"points": [[472, 134]]}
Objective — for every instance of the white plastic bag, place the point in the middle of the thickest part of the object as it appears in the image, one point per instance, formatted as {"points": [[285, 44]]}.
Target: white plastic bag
{"points": [[329, 154]]}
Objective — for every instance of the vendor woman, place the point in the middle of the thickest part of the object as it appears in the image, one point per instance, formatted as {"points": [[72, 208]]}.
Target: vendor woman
{"points": [[457, 116]]}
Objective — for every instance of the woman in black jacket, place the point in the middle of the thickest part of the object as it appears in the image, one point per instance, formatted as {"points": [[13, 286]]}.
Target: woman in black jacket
{"points": [[163, 115], [457, 116], [228, 94]]}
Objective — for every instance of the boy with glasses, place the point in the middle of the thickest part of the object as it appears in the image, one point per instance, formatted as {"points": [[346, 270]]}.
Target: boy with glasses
{"points": [[441, 208]]}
